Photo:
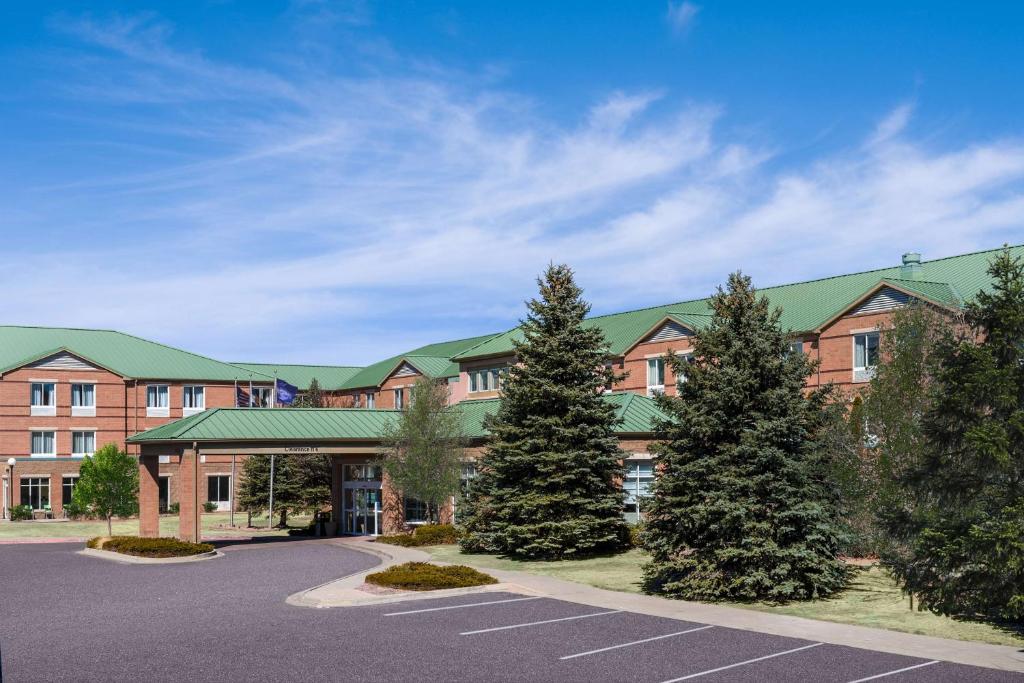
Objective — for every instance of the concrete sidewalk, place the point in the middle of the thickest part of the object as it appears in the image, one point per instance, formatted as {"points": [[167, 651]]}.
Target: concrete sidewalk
{"points": [[344, 592]]}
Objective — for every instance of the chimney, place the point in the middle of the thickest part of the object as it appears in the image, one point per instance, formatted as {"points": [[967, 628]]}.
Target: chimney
{"points": [[911, 268]]}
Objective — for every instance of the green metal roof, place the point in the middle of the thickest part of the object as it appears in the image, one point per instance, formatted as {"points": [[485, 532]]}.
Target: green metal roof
{"points": [[805, 305], [352, 424], [330, 377], [121, 353], [433, 360]]}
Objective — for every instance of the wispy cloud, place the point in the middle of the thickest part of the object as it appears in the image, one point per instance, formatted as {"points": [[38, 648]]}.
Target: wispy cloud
{"points": [[681, 15], [307, 216]]}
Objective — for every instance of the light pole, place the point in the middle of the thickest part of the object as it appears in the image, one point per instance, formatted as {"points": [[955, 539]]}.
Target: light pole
{"points": [[10, 487]]}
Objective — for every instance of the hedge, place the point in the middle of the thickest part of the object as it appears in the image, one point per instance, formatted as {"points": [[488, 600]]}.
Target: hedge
{"points": [[149, 547], [21, 512], [423, 576], [428, 534]]}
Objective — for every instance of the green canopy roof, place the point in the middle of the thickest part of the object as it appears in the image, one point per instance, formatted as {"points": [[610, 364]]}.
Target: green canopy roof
{"points": [[352, 424], [330, 377], [118, 352], [805, 305]]}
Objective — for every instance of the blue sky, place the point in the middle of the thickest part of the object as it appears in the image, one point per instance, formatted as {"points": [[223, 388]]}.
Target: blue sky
{"points": [[335, 182]]}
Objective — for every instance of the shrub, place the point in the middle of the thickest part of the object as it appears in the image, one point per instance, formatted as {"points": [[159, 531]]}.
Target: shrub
{"points": [[422, 576], [209, 507], [428, 534], [636, 535], [21, 512], [174, 508], [149, 547]]}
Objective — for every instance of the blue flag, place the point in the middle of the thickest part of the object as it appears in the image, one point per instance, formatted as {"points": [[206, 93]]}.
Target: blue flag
{"points": [[285, 392]]}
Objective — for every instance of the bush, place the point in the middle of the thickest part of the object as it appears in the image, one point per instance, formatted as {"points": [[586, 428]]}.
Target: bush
{"points": [[21, 512], [636, 535], [149, 547], [174, 508], [422, 576], [428, 534], [209, 507]]}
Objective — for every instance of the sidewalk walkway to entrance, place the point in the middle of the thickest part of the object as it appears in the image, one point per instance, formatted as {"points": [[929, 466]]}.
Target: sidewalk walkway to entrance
{"points": [[345, 593]]}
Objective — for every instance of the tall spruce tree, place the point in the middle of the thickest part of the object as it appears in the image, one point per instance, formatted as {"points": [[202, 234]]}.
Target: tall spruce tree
{"points": [[741, 507], [965, 517], [548, 482]]}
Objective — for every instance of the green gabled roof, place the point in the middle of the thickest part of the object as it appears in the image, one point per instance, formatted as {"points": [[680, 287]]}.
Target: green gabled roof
{"points": [[353, 424], [121, 353], [273, 424], [435, 359], [330, 377], [805, 305], [636, 411]]}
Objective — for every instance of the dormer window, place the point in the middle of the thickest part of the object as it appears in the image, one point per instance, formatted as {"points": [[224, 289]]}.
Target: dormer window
{"points": [[484, 379]]}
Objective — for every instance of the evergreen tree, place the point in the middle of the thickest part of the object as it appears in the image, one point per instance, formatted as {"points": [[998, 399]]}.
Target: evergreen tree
{"points": [[312, 472], [313, 397], [548, 483], [108, 485], [742, 509], [423, 450], [965, 517], [254, 489]]}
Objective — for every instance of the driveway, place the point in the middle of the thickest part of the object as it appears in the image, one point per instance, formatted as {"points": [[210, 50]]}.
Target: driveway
{"points": [[71, 617]]}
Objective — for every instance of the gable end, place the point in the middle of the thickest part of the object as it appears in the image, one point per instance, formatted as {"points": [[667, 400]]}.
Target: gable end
{"points": [[62, 361], [670, 330], [884, 299], [405, 370]]}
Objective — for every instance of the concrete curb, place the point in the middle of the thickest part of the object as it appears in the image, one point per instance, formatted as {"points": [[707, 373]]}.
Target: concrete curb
{"points": [[132, 559]]}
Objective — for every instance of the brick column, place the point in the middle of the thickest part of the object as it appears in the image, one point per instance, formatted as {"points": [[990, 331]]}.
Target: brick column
{"points": [[190, 519], [149, 496], [393, 513], [336, 493]]}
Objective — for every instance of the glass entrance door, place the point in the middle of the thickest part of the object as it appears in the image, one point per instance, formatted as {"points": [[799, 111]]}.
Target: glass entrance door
{"points": [[361, 500]]}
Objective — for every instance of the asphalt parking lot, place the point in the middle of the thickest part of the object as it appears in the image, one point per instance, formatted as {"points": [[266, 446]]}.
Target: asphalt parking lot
{"points": [[71, 617]]}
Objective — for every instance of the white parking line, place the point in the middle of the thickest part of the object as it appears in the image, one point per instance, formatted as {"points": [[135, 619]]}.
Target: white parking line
{"points": [[637, 642], [749, 661], [471, 604], [897, 671], [538, 623]]}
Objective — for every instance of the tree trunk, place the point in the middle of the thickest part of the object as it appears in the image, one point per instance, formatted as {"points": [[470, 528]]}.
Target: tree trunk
{"points": [[110, 531], [284, 518]]}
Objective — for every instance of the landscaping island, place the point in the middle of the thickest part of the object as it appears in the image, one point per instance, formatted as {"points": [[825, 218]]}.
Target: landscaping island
{"points": [[148, 547], [423, 576]]}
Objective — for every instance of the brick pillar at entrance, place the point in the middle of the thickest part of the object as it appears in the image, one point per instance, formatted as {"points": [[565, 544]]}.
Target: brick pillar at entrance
{"points": [[149, 496], [336, 493], [188, 502], [391, 507]]}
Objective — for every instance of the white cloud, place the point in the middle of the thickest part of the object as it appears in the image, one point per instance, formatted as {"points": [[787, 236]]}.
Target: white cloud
{"points": [[681, 15], [312, 217]]}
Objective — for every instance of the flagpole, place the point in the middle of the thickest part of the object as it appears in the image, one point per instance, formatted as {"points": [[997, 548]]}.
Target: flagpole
{"points": [[270, 517]]}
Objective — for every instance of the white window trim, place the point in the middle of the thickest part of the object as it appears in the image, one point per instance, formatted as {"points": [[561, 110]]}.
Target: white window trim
{"points": [[31, 438], [83, 411], [653, 389], [157, 411], [43, 409], [83, 431], [861, 375], [185, 412]]}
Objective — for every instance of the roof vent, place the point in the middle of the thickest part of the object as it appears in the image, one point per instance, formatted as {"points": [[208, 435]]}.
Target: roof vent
{"points": [[911, 268]]}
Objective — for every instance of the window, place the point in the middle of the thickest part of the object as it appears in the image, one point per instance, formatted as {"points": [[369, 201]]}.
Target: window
{"points": [[415, 511], [466, 476], [261, 397], [193, 400], [83, 400], [399, 399], [83, 443], [865, 356], [44, 398], [157, 403], [67, 489], [35, 492], [655, 376], [485, 379], [44, 443], [371, 473], [637, 485], [796, 347], [608, 385], [685, 359], [370, 400], [164, 495], [355, 400], [218, 490]]}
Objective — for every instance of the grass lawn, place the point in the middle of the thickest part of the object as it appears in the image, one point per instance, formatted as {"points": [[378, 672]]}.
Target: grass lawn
{"points": [[130, 527], [872, 599]]}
